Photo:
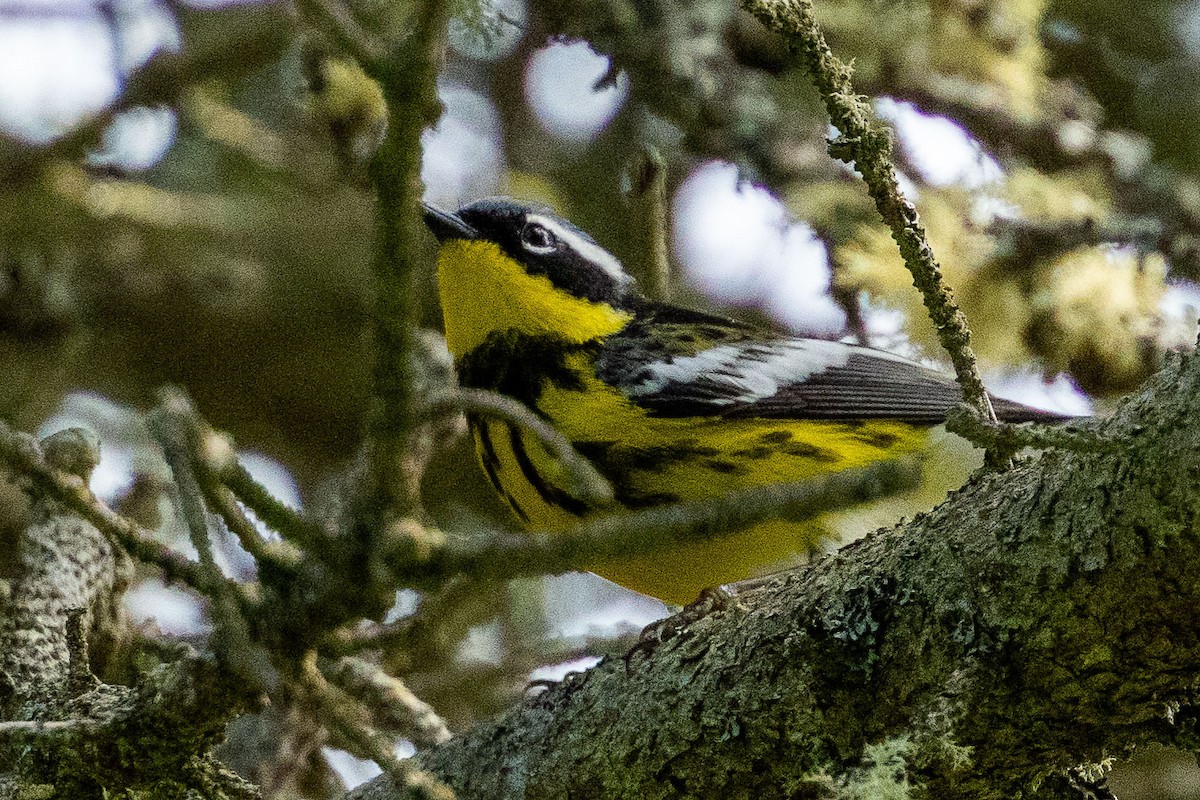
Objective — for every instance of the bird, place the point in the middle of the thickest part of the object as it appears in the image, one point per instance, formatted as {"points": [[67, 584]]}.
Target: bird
{"points": [[669, 404]]}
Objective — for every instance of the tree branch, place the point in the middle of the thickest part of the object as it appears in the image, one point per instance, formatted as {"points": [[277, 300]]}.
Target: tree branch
{"points": [[1041, 619], [505, 555], [869, 148], [408, 78]]}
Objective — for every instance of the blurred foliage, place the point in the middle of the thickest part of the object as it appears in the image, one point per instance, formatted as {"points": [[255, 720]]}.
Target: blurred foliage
{"points": [[990, 50], [238, 265], [1070, 272], [1139, 61]]}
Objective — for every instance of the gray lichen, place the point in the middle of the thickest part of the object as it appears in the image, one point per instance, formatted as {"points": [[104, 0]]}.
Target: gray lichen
{"points": [[63, 734]]}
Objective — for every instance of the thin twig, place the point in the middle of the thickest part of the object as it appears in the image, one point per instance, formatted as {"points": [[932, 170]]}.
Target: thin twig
{"points": [[390, 700], [167, 429], [379, 636], [160, 80], [333, 18], [585, 482], [223, 501], [170, 425], [408, 78], [506, 555], [563, 649], [348, 719], [22, 453], [1012, 437], [235, 129], [650, 191], [869, 148], [1024, 244], [274, 513], [214, 461], [40, 727], [849, 300], [179, 425], [409, 634]]}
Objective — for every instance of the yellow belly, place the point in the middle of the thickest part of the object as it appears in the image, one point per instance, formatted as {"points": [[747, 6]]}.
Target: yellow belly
{"points": [[653, 460]]}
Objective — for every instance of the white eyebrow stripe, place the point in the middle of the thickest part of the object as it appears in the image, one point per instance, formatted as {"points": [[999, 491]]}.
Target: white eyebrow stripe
{"points": [[590, 251]]}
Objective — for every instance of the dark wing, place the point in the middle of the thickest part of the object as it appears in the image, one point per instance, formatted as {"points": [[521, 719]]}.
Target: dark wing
{"points": [[680, 363]]}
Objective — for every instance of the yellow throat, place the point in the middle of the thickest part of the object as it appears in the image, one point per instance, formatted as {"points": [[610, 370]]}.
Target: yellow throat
{"points": [[483, 290]]}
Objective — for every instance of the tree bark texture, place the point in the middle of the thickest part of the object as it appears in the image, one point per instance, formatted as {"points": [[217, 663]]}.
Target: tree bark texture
{"points": [[1041, 620]]}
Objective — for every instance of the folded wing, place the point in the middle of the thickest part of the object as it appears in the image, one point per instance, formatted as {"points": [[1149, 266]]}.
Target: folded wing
{"points": [[682, 363]]}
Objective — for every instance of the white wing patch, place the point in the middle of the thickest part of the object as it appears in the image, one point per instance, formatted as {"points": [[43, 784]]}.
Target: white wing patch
{"points": [[588, 250], [755, 370]]}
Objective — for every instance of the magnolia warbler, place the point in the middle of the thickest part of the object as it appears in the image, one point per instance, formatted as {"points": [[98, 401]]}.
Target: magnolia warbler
{"points": [[668, 403]]}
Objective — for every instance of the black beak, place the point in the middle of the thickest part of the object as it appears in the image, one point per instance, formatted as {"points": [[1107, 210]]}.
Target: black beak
{"points": [[446, 225]]}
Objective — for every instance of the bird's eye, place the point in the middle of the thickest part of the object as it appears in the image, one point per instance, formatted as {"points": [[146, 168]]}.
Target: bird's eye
{"points": [[537, 238]]}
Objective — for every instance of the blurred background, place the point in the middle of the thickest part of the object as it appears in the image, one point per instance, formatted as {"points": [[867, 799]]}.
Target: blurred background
{"points": [[219, 235]]}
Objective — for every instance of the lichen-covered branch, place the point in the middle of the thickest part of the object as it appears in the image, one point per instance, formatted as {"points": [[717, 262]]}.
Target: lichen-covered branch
{"points": [[505, 555], [408, 78], [65, 565], [869, 147], [21, 452], [62, 729], [1009, 437], [1041, 619]]}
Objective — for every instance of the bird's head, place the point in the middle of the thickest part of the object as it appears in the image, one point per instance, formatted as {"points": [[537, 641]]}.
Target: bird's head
{"points": [[506, 265]]}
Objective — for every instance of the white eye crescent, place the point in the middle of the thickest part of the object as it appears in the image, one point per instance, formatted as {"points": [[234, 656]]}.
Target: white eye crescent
{"points": [[538, 239]]}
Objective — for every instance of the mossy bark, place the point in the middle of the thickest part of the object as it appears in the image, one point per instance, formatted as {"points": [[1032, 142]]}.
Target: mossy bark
{"points": [[1041, 619], [63, 734]]}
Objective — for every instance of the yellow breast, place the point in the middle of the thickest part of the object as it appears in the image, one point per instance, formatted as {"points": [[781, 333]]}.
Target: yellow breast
{"points": [[653, 459]]}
